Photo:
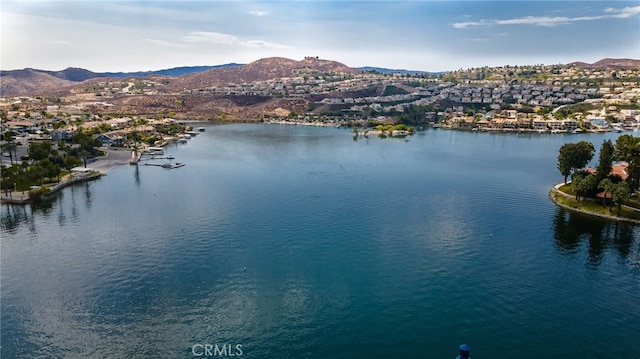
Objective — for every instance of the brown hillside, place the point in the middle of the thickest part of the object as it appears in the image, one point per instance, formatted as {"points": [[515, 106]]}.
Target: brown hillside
{"points": [[229, 108], [260, 70], [611, 64], [29, 82]]}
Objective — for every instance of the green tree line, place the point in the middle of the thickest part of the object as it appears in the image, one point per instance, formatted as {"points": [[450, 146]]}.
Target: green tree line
{"points": [[573, 158]]}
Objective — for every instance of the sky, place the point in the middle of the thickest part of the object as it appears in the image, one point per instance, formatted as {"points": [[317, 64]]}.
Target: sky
{"points": [[105, 36]]}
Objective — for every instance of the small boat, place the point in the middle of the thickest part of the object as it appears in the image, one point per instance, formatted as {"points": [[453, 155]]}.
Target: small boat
{"points": [[155, 150], [465, 352], [201, 129]]}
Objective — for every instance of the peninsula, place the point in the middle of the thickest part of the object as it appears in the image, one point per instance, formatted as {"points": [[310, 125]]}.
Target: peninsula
{"points": [[612, 183]]}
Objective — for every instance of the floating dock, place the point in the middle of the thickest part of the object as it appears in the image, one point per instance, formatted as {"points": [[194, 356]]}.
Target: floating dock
{"points": [[167, 165]]}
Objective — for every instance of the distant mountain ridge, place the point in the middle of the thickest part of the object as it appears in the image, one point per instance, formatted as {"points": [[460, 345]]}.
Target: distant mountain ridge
{"points": [[384, 70], [76, 74], [173, 72]]}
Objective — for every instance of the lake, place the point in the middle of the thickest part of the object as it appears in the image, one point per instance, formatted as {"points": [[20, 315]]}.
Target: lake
{"points": [[280, 241]]}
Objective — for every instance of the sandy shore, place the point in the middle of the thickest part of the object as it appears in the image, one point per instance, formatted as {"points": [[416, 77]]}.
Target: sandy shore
{"points": [[114, 157]]}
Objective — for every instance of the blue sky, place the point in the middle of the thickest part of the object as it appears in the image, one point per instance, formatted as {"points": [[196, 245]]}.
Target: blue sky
{"points": [[416, 35]]}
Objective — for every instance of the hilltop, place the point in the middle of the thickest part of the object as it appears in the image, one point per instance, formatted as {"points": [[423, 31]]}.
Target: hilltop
{"points": [[29, 81], [260, 70], [611, 64]]}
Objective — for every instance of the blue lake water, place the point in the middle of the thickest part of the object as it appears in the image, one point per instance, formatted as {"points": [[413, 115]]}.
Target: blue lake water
{"points": [[300, 242]]}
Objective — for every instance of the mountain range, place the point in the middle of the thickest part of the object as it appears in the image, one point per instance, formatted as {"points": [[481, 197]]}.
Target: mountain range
{"points": [[34, 81]]}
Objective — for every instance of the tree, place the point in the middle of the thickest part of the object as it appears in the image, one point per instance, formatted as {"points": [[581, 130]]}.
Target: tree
{"points": [[605, 161], [627, 149], [606, 185], [576, 183], [39, 150], [621, 193], [84, 154], [9, 147], [588, 184], [574, 156], [71, 161], [584, 154], [564, 160]]}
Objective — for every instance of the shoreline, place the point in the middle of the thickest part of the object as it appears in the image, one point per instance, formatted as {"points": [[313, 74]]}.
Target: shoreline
{"points": [[22, 197], [99, 167], [555, 191]]}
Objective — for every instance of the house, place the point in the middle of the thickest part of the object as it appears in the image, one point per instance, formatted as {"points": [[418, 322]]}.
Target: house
{"points": [[523, 122], [62, 134], [22, 126], [510, 123], [555, 125], [120, 122], [570, 124], [619, 169], [110, 139], [540, 124]]}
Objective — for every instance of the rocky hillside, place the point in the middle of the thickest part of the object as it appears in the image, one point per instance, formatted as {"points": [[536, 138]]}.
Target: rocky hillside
{"points": [[260, 70], [222, 108]]}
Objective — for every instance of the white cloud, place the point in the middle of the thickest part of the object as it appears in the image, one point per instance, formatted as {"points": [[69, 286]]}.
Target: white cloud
{"points": [[623, 13], [227, 39], [259, 13], [548, 21]]}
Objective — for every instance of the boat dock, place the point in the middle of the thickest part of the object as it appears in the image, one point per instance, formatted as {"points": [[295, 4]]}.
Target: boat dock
{"points": [[167, 165]]}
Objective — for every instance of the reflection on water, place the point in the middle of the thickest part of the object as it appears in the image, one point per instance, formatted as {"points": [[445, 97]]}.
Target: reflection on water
{"points": [[87, 195], [344, 243], [571, 230], [136, 175], [14, 216]]}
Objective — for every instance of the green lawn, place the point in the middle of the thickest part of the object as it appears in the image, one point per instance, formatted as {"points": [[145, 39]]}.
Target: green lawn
{"points": [[591, 206]]}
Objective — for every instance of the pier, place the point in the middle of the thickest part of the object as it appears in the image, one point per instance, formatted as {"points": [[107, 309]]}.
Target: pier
{"points": [[167, 165]]}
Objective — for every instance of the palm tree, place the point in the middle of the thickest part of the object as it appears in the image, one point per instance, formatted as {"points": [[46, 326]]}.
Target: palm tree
{"points": [[607, 186], [84, 154], [621, 193], [10, 147]]}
